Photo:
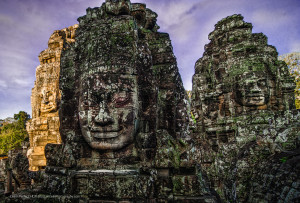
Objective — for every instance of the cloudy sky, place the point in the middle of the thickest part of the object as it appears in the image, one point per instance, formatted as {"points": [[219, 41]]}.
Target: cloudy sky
{"points": [[26, 25]]}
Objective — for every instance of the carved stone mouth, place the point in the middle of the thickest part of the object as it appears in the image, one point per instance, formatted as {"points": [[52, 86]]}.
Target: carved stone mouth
{"points": [[257, 98], [98, 129], [105, 133], [47, 108], [256, 95]]}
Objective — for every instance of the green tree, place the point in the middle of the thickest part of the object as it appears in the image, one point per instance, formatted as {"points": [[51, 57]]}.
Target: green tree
{"points": [[22, 117], [12, 134]]}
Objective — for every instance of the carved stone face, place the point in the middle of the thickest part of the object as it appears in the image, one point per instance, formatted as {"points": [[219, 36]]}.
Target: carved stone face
{"points": [[252, 89], [108, 110], [48, 103]]}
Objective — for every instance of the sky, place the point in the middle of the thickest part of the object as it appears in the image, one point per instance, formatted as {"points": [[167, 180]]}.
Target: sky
{"points": [[26, 25]]}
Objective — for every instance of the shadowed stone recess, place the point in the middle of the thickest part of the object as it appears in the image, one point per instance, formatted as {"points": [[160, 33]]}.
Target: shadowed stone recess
{"points": [[243, 104]]}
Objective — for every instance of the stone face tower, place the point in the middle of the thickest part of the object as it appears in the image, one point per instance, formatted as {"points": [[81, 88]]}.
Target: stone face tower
{"points": [[124, 120], [43, 128], [243, 102]]}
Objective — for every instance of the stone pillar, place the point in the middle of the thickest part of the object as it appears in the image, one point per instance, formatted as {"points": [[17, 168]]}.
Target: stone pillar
{"points": [[43, 128], [9, 187]]}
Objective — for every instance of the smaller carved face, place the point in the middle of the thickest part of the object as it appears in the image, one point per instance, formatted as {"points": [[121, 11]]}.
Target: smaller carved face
{"points": [[252, 89], [48, 103], [108, 110]]}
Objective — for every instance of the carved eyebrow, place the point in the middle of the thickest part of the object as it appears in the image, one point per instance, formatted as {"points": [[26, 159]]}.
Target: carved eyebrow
{"points": [[98, 93], [125, 90]]}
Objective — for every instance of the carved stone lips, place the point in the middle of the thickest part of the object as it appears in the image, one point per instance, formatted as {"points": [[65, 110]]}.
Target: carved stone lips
{"points": [[255, 100], [47, 107], [256, 97], [106, 129], [104, 133]]}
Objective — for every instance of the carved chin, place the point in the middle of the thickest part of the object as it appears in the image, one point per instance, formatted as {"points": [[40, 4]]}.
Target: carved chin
{"points": [[107, 146]]}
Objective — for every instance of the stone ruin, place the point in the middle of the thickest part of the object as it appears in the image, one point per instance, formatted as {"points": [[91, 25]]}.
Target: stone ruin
{"points": [[293, 62], [123, 116], [43, 128], [246, 122], [14, 173]]}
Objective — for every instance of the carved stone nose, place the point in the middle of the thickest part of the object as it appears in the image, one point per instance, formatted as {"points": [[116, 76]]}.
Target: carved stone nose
{"points": [[255, 89], [45, 101], [103, 117]]}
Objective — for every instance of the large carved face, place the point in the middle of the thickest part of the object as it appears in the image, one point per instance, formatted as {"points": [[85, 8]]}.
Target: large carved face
{"points": [[48, 103], [252, 89], [108, 109]]}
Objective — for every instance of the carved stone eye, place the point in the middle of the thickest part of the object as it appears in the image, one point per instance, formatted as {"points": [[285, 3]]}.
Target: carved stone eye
{"points": [[262, 83], [97, 97], [121, 99]]}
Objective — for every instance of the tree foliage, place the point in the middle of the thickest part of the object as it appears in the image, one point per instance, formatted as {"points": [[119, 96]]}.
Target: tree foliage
{"points": [[12, 134], [296, 75]]}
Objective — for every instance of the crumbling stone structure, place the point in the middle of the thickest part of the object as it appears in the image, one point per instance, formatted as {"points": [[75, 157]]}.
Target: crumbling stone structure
{"points": [[243, 103], [43, 128], [18, 164], [293, 62], [3, 163], [14, 173], [123, 116]]}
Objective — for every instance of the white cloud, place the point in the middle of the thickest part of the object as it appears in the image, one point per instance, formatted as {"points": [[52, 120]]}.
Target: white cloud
{"points": [[271, 19], [21, 82], [294, 46], [3, 84], [174, 13]]}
